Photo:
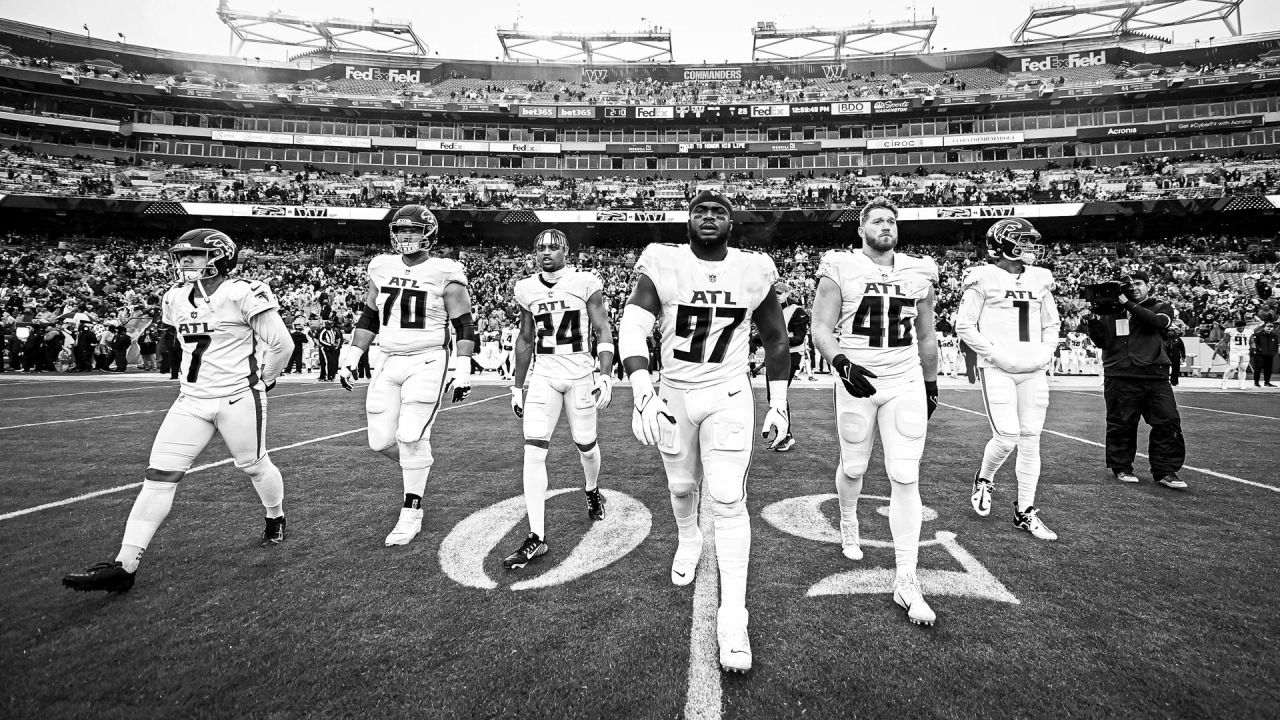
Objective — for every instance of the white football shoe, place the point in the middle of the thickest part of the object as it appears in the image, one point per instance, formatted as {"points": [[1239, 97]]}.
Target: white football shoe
{"points": [[407, 527], [906, 592], [685, 563], [981, 497], [1030, 521], [850, 540], [735, 644]]}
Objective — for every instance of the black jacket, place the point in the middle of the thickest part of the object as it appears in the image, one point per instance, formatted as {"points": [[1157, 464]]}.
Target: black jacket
{"points": [[1265, 343], [1140, 352]]}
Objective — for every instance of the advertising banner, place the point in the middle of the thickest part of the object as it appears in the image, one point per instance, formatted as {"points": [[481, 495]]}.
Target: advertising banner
{"points": [[654, 112], [995, 138], [284, 211], [576, 112], [452, 145], [799, 146], [525, 147], [857, 107], [536, 111], [891, 106], [641, 148], [903, 143]]}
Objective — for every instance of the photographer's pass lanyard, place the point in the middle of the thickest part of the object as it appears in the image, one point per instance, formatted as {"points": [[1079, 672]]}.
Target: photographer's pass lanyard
{"points": [[1122, 327]]}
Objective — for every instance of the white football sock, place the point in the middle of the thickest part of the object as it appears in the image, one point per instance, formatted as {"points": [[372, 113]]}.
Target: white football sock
{"points": [[590, 466], [685, 510], [733, 551], [535, 488], [904, 521], [149, 510], [849, 489], [994, 456], [1027, 468], [269, 485]]}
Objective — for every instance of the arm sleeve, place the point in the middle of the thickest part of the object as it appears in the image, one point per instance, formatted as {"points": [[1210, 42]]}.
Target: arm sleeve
{"points": [[1159, 318], [798, 327], [1050, 323], [967, 323], [270, 329]]}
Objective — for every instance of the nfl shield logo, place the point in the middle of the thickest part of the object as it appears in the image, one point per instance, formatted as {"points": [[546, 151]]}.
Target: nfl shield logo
{"points": [[712, 278]]}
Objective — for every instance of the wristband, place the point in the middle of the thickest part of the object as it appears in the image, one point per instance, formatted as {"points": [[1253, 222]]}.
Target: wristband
{"points": [[641, 383], [606, 347], [349, 356], [778, 394]]}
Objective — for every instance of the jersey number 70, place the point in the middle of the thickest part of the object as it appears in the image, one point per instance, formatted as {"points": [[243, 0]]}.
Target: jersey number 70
{"points": [[694, 322]]}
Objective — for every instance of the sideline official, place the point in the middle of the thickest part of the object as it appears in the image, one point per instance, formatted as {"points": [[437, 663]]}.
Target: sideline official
{"points": [[1136, 385]]}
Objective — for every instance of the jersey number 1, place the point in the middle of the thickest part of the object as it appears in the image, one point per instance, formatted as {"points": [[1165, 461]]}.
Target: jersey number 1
{"points": [[694, 322]]}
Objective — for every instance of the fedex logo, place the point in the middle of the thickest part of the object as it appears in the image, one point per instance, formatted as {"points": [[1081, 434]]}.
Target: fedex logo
{"points": [[390, 74], [1056, 62]]}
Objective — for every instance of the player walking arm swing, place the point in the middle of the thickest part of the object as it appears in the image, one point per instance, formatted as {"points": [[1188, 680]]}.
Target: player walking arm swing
{"points": [[270, 330], [604, 349], [928, 344], [524, 356], [777, 362], [361, 338], [638, 318], [826, 314], [457, 305]]}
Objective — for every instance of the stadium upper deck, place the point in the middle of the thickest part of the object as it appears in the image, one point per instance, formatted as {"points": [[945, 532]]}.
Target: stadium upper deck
{"points": [[1022, 106]]}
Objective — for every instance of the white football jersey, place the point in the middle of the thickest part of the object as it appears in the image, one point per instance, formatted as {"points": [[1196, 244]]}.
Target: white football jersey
{"points": [[1076, 340], [218, 347], [1015, 311], [705, 321], [562, 349], [410, 304], [949, 343], [878, 308], [1237, 342]]}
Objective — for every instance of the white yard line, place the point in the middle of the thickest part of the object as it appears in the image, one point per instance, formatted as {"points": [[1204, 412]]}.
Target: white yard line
{"points": [[136, 412], [89, 392], [702, 701], [130, 486], [1216, 474], [1194, 407]]}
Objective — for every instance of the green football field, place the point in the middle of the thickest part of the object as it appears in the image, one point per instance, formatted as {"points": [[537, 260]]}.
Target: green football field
{"points": [[1154, 603]]}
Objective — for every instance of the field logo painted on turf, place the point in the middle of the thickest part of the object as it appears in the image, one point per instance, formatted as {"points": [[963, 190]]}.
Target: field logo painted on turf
{"points": [[464, 550], [803, 517]]}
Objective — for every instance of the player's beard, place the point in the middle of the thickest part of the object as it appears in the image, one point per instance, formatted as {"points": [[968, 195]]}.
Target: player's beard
{"points": [[880, 242], [720, 241]]}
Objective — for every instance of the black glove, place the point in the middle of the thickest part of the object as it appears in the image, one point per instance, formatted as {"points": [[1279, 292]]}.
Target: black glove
{"points": [[931, 395], [270, 386], [854, 377]]}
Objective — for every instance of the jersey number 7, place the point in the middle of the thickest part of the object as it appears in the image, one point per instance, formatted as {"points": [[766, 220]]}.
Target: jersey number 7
{"points": [[694, 322]]}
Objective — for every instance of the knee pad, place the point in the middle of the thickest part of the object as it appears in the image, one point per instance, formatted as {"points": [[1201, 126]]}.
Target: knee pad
{"points": [[853, 429], [259, 468], [727, 489], [681, 487], [903, 472], [534, 455], [416, 455], [735, 509], [1006, 443], [911, 423]]}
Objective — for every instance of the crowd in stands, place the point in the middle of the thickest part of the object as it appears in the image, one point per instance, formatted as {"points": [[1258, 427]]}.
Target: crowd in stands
{"points": [[1151, 178], [112, 286]]}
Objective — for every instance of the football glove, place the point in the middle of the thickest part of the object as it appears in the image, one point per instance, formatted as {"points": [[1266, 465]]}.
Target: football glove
{"points": [[931, 395], [650, 410], [461, 378], [269, 386], [517, 400], [603, 390], [777, 418], [348, 359], [854, 377]]}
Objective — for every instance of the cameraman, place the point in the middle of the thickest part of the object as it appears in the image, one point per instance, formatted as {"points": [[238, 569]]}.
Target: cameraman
{"points": [[1128, 326]]}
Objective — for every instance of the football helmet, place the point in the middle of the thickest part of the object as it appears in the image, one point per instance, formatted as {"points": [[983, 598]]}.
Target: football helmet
{"points": [[220, 250], [413, 229], [1015, 239]]}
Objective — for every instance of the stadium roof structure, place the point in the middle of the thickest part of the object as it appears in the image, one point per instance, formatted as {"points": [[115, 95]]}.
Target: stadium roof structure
{"points": [[388, 36], [1068, 21], [650, 45], [911, 36]]}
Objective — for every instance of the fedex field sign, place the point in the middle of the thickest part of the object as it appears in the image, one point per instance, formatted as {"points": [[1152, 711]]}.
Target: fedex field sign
{"points": [[389, 74], [1062, 62]]}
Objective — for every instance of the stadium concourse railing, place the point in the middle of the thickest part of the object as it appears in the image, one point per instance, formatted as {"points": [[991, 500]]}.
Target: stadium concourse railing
{"points": [[267, 211]]}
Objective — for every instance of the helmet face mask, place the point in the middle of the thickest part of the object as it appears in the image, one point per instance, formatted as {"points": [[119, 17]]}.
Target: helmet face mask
{"points": [[1017, 240], [413, 229]]}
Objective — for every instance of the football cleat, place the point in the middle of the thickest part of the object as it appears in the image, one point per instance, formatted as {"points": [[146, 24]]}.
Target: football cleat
{"points": [[1126, 476], [981, 497], [407, 527], [1171, 480], [274, 532], [735, 644], [1030, 521], [106, 577], [531, 549], [685, 563], [786, 443], [906, 593], [595, 505], [850, 539]]}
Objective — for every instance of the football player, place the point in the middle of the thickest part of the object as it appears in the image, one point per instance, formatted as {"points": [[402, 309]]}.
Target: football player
{"points": [[704, 295], [1008, 315], [1077, 342], [1234, 348], [556, 307], [873, 318], [412, 300], [949, 350], [797, 323], [221, 322]]}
